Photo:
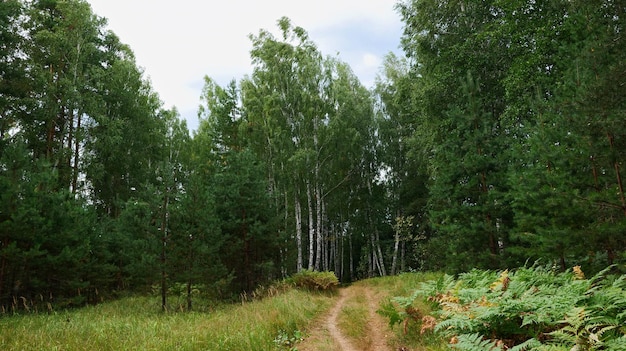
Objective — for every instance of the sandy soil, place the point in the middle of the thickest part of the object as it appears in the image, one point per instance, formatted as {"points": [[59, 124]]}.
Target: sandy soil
{"points": [[328, 336]]}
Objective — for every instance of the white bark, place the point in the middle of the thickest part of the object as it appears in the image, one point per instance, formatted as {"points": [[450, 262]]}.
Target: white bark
{"points": [[311, 226], [318, 227], [396, 245], [318, 199], [381, 260], [377, 256], [298, 214]]}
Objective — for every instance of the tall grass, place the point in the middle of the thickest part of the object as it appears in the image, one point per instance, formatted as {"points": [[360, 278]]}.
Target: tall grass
{"points": [[135, 323], [402, 285], [353, 318]]}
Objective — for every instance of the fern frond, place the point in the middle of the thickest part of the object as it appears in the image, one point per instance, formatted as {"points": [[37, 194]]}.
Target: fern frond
{"points": [[527, 345], [457, 323], [405, 302], [502, 283], [616, 344], [475, 342], [553, 347], [387, 309]]}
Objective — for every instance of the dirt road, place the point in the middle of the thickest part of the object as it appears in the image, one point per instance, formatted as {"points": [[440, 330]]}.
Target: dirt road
{"points": [[327, 335]]}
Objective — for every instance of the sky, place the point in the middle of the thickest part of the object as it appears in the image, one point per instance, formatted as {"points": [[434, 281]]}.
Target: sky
{"points": [[178, 43]]}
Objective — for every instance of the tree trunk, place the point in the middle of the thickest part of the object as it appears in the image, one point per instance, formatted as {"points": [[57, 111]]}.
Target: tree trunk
{"points": [[396, 243], [402, 255], [375, 240], [381, 264], [311, 226], [318, 225], [298, 214], [351, 256], [332, 256], [371, 258], [341, 260], [75, 170], [396, 246]]}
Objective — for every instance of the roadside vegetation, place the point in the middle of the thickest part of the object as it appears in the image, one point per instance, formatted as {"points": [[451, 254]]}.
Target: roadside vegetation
{"points": [[137, 323], [530, 308], [272, 317], [537, 308], [393, 288]]}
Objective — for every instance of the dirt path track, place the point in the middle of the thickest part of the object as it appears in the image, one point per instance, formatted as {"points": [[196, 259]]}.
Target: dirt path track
{"points": [[328, 335]]}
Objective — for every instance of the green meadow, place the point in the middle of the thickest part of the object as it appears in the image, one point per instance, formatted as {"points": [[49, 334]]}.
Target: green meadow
{"points": [[136, 323]]}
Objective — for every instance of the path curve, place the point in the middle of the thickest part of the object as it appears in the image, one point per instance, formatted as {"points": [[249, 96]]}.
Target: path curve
{"points": [[328, 331]]}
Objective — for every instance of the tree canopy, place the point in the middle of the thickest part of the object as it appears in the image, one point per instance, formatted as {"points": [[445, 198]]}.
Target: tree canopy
{"points": [[498, 138]]}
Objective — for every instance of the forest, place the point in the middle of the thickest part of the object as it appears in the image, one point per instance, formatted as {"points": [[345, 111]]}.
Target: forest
{"points": [[497, 140]]}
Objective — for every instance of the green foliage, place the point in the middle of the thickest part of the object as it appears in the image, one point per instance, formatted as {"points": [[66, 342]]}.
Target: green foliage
{"points": [[499, 138], [389, 310], [313, 280], [474, 342], [246, 220], [526, 309], [518, 122], [285, 340]]}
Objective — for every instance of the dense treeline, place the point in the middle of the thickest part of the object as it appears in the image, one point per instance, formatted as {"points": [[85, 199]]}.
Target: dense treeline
{"points": [[498, 139], [519, 112], [105, 191]]}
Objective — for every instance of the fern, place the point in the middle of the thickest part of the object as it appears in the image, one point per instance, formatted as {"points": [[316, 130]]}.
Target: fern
{"points": [[527, 345], [442, 285], [474, 342], [584, 328], [617, 344], [456, 324], [533, 309], [387, 309]]}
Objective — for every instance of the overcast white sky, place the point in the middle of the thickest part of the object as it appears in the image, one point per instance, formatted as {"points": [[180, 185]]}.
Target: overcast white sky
{"points": [[179, 42]]}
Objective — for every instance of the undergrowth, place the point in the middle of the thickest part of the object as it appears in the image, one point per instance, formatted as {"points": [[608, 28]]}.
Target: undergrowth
{"points": [[312, 280], [402, 285], [533, 308]]}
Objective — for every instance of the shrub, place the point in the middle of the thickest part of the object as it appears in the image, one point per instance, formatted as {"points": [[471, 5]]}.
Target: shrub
{"points": [[312, 280]]}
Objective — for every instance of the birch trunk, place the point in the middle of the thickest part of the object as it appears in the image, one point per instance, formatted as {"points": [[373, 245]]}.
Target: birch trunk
{"points": [[298, 213], [381, 260], [377, 255], [318, 200], [396, 246], [311, 227], [76, 155], [394, 261], [318, 228]]}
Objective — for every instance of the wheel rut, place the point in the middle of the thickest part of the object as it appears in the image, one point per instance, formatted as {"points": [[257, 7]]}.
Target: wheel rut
{"points": [[327, 335]]}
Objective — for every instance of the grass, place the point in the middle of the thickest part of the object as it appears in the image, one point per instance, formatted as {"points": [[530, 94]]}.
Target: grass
{"points": [[135, 323], [353, 318], [354, 315], [403, 285]]}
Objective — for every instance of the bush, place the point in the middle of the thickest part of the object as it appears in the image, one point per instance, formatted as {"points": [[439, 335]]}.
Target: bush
{"points": [[311, 280]]}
